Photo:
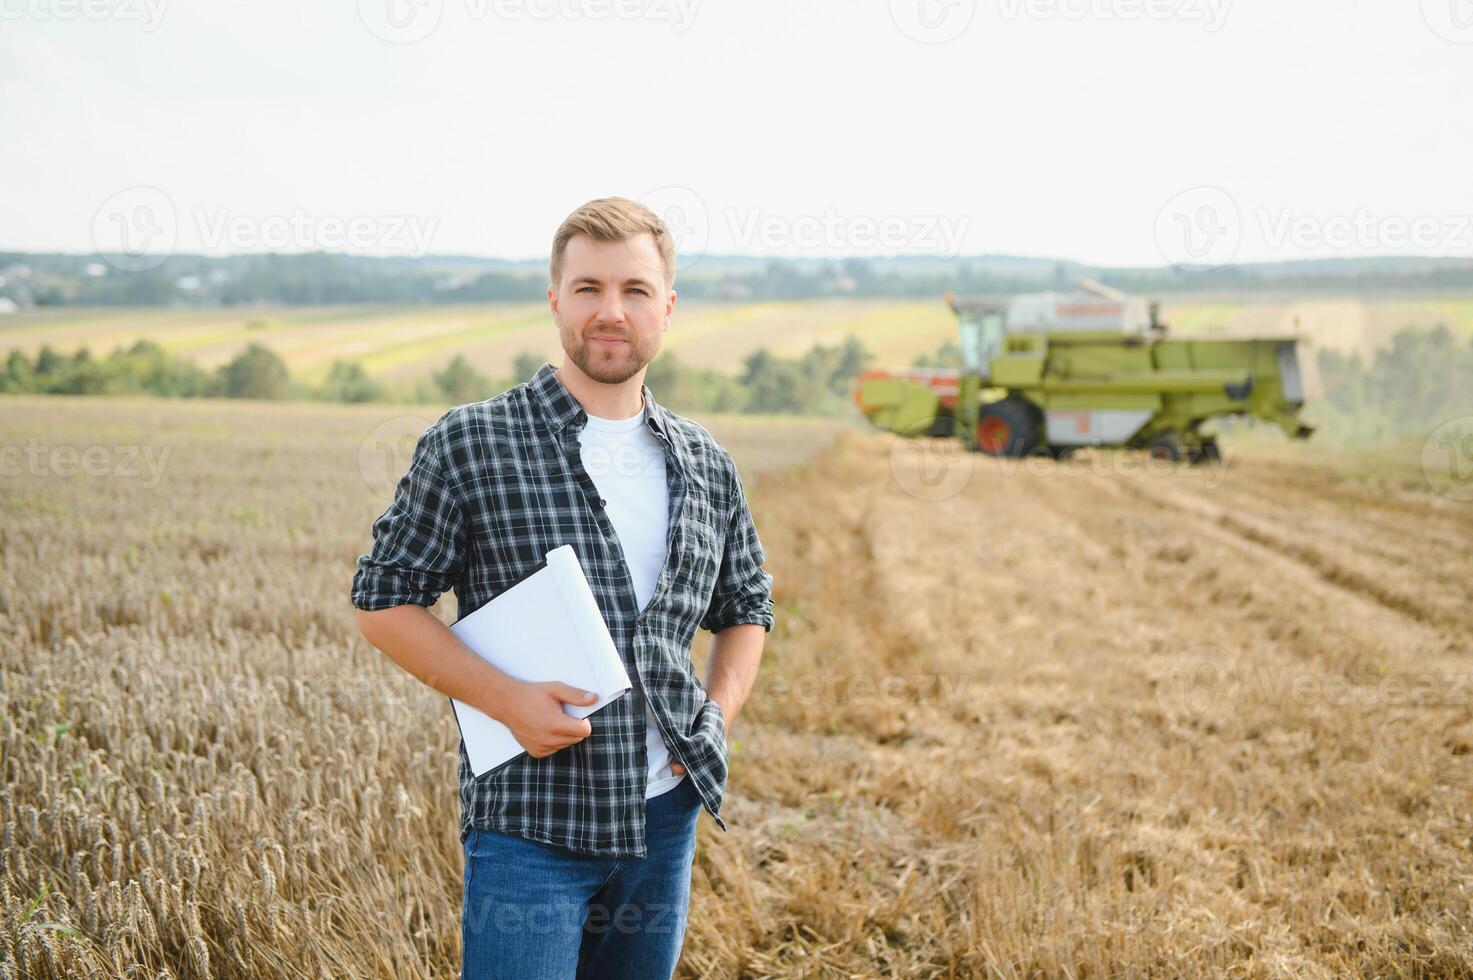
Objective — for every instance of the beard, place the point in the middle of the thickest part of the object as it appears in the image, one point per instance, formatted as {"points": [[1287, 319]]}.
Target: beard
{"points": [[610, 365]]}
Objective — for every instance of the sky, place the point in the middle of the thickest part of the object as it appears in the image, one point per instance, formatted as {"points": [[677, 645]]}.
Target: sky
{"points": [[1112, 132]]}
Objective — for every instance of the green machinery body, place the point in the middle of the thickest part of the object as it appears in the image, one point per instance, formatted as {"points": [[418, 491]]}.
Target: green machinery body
{"points": [[1074, 371]]}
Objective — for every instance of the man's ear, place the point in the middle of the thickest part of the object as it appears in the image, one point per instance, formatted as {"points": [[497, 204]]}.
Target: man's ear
{"points": [[552, 299]]}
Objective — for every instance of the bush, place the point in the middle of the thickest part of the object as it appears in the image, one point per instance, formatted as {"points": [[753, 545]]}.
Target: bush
{"points": [[18, 376], [256, 372], [685, 390], [821, 382], [143, 369], [525, 365], [348, 382], [948, 355], [1424, 378], [460, 383]]}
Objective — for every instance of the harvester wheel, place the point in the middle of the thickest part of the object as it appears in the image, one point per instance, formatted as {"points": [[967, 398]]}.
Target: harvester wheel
{"points": [[1209, 453], [1007, 428], [1166, 446]]}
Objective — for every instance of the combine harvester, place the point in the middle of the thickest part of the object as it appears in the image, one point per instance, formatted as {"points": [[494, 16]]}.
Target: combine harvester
{"points": [[1053, 372]]}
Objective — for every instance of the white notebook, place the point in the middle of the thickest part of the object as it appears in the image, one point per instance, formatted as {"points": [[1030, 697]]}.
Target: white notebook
{"points": [[545, 627]]}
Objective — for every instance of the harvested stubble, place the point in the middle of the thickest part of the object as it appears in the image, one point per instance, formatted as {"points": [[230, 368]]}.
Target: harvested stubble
{"points": [[970, 753]]}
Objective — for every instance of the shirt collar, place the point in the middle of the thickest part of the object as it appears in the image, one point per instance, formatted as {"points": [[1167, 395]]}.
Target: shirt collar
{"points": [[559, 407]]}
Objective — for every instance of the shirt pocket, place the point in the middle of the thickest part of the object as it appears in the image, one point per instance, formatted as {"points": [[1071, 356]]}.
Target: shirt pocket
{"points": [[700, 541], [695, 562]]}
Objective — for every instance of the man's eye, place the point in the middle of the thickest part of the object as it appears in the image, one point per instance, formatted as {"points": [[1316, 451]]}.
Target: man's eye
{"points": [[585, 289], [638, 290]]}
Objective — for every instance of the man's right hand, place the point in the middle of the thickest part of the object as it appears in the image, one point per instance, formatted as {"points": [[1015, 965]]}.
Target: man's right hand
{"points": [[534, 713], [418, 641]]}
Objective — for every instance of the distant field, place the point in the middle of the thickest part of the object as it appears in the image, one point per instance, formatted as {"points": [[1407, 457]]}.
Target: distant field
{"points": [[399, 343], [1345, 324]]}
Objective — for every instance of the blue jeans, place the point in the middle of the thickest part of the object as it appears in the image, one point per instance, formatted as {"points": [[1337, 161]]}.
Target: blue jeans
{"points": [[535, 910]]}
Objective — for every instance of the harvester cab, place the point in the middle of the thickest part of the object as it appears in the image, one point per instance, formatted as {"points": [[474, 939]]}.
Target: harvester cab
{"points": [[981, 327]]}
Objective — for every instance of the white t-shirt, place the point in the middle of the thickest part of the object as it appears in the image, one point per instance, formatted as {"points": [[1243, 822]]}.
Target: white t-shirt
{"points": [[627, 463]]}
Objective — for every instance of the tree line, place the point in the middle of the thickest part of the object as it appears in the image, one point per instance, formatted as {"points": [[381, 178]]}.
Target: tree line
{"points": [[1421, 379], [818, 382]]}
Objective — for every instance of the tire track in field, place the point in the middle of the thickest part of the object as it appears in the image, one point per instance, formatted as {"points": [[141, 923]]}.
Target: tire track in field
{"points": [[1073, 608], [1398, 551], [1330, 570], [1403, 530]]}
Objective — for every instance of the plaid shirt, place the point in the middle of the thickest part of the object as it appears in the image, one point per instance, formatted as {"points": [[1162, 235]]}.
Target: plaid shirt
{"points": [[495, 485]]}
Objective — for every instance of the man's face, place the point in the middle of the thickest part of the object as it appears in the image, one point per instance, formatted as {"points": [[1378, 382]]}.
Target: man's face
{"points": [[611, 306]]}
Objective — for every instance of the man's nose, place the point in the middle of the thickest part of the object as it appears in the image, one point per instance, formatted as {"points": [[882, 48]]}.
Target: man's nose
{"points": [[611, 310]]}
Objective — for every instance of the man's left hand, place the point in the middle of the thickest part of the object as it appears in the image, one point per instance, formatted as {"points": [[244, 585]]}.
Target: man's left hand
{"points": [[676, 768]]}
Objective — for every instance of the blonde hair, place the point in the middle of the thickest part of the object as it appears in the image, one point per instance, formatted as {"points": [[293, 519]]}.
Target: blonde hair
{"points": [[613, 219]]}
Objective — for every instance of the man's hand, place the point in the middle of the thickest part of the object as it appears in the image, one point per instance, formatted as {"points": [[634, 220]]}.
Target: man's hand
{"points": [[534, 713], [676, 769], [418, 641], [730, 672]]}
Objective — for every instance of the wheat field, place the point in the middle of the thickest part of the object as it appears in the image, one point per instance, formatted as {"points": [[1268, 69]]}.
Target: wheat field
{"points": [[1079, 719]]}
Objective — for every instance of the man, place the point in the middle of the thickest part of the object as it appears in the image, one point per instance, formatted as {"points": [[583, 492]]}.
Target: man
{"points": [[578, 854]]}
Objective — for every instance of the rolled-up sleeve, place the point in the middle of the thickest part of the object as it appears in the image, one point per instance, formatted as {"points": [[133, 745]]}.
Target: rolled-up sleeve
{"points": [[419, 542], [743, 591]]}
